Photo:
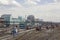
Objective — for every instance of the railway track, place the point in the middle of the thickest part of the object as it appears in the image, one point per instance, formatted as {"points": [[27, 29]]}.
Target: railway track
{"points": [[36, 35], [10, 37]]}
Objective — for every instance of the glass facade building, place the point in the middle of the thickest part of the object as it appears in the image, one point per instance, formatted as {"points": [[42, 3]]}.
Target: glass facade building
{"points": [[14, 21], [6, 19]]}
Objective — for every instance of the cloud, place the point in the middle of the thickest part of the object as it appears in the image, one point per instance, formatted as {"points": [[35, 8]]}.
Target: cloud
{"points": [[48, 12], [56, 0], [16, 3], [35, 0], [10, 2], [31, 2]]}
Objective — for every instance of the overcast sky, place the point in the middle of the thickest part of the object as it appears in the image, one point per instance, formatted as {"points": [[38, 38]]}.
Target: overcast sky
{"points": [[49, 10]]}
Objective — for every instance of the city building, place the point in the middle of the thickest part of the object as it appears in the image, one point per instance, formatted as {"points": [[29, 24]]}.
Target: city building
{"points": [[30, 21], [22, 22], [31, 18], [2, 22], [17, 22], [14, 21], [6, 19]]}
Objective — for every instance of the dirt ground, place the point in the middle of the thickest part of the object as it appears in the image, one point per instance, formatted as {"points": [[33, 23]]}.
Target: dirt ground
{"points": [[41, 35]]}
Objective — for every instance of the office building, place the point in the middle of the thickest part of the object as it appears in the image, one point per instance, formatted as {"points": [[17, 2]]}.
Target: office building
{"points": [[6, 19]]}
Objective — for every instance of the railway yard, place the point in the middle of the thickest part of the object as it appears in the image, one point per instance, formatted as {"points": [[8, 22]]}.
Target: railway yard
{"points": [[33, 34]]}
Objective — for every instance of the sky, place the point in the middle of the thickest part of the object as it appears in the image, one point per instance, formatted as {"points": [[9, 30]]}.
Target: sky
{"points": [[48, 10]]}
